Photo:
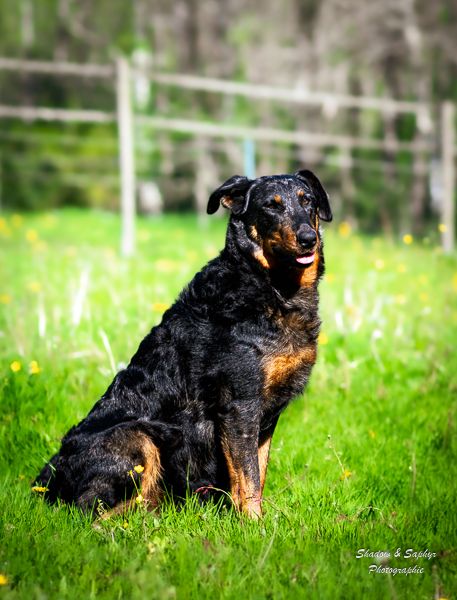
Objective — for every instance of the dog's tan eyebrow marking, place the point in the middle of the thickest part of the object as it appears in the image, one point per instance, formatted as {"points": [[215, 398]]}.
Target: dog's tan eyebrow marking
{"points": [[300, 193], [277, 198]]}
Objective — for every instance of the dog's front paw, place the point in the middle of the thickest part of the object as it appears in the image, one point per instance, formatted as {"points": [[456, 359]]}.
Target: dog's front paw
{"points": [[253, 508]]}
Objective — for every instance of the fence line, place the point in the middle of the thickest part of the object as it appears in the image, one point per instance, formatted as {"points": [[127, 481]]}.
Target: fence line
{"points": [[299, 138], [121, 73], [63, 115], [57, 68], [293, 95], [210, 129], [192, 82]]}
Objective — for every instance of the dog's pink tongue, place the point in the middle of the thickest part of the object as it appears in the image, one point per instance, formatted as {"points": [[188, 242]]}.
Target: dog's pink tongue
{"points": [[305, 260]]}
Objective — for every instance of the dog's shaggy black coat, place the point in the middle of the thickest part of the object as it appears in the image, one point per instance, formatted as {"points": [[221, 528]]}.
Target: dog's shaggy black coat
{"points": [[199, 401]]}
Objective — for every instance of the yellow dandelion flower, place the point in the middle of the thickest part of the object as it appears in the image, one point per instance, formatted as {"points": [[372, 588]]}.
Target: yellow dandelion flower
{"points": [[125, 524], [15, 366], [379, 264], [344, 229], [442, 228], [34, 286], [424, 297], [159, 306], [130, 473], [5, 298], [34, 368], [16, 220], [139, 499], [39, 489], [31, 235], [423, 279], [322, 339], [3, 579], [138, 468], [408, 239], [346, 474], [401, 268], [400, 299]]}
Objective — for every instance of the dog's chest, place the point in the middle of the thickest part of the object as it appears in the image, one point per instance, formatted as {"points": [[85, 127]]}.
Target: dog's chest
{"points": [[290, 353]]}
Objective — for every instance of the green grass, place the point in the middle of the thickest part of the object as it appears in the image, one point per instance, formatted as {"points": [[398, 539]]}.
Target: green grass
{"points": [[365, 459]]}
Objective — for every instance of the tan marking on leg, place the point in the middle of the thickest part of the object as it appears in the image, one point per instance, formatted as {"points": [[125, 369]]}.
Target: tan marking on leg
{"points": [[233, 474], [245, 495], [150, 477], [133, 443], [250, 497], [264, 454]]}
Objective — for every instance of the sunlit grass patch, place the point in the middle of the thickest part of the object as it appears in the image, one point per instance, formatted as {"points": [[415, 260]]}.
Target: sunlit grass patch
{"points": [[72, 312]]}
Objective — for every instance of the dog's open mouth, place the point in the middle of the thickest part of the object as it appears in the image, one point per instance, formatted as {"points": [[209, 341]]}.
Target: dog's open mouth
{"points": [[306, 259]]}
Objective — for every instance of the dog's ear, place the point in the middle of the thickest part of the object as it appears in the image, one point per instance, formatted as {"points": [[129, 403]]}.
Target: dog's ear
{"points": [[323, 207], [233, 194]]}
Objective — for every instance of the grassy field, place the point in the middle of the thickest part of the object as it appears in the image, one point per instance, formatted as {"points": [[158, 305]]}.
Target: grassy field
{"points": [[365, 459]]}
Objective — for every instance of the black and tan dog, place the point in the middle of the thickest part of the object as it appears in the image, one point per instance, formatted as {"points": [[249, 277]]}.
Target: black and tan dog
{"points": [[198, 403]]}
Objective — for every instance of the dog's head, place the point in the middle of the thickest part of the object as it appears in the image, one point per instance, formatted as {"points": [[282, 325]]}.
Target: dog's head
{"points": [[280, 214]]}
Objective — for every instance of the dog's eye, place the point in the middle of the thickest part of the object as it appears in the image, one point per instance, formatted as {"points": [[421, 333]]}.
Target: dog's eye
{"points": [[274, 204], [304, 201]]}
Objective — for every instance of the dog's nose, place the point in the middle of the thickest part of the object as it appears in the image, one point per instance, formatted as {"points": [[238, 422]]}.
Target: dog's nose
{"points": [[306, 237]]}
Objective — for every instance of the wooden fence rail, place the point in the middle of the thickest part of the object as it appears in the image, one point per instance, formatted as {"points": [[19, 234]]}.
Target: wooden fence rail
{"points": [[120, 76]]}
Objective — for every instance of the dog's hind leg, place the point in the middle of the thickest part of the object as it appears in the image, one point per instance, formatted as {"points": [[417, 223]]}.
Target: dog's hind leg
{"points": [[151, 489], [127, 472]]}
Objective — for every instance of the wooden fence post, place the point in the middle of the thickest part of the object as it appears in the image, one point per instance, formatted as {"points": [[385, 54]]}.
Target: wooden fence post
{"points": [[448, 165], [126, 156]]}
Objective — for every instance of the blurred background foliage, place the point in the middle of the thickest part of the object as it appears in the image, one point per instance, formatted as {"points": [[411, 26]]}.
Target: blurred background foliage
{"points": [[402, 49]]}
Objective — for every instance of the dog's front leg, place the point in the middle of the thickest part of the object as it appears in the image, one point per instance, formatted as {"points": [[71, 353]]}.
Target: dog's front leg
{"points": [[239, 438], [264, 449]]}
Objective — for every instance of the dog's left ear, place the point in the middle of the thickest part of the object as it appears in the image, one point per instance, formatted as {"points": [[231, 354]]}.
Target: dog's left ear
{"points": [[233, 194], [323, 207]]}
